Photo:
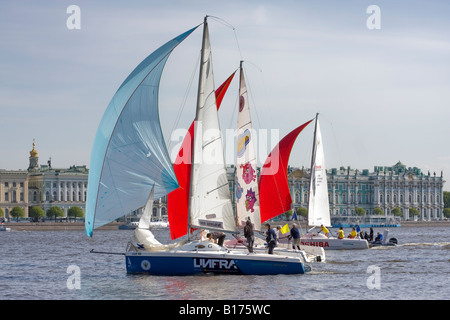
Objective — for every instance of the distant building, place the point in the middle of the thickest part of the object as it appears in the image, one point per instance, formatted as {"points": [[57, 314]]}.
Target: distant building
{"points": [[48, 186], [386, 188], [13, 191], [43, 186]]}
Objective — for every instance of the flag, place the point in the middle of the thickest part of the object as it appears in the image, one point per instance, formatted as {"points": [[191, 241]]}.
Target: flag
{"points": [[294, 216], [285, 229]]}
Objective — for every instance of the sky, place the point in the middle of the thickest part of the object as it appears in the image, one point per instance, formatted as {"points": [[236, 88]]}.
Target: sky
{"points": [[383, 94]]}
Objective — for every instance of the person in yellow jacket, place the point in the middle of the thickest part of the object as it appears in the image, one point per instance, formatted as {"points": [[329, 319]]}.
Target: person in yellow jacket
{"points": [[353, 234], [325, 230], [341, 234]]}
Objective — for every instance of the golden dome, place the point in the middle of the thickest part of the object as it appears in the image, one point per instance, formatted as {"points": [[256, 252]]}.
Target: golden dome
{"points": [[33, 153]]}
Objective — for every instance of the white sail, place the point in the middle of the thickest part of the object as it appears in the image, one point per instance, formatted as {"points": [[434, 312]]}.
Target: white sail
{"points": [[144, 221], [318, 205], [246, 188], [210, 200]]}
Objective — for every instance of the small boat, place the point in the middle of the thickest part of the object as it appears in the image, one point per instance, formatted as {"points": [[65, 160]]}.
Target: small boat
{"points": [[318, 203], [128, 226], [4, 228], [385, 242], [365, 222], [159, 225]]}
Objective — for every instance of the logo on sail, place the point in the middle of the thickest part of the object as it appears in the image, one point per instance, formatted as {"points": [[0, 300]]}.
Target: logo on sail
{"points": [[239, 191], [241, 103], [250, 199], [248, 173], [243, 141]]}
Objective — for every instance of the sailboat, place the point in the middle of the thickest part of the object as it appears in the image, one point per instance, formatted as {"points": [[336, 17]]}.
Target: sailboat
{"points": [[318, 203], [247, 195], [130, 159]]}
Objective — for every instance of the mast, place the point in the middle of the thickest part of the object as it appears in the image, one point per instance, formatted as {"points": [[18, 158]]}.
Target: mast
{"points": [[200, 86], [210, 200]]}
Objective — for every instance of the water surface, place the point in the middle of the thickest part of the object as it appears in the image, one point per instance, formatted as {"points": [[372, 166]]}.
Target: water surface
{"points": [[34, 265]]}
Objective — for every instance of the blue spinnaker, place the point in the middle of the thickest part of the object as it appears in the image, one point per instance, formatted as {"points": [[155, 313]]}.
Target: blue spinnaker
{"points": [[129, 154]]}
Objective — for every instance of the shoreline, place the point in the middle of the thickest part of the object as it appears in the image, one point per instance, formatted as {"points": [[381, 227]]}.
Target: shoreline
{"points": [[61, 226], [56, 226]]}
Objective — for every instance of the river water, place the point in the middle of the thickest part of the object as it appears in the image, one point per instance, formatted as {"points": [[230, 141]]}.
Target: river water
{"points": [[47, 265]]}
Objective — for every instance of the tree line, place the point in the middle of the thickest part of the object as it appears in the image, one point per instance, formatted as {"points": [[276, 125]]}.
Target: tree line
{"points": [[37, 213], [447, 204]]}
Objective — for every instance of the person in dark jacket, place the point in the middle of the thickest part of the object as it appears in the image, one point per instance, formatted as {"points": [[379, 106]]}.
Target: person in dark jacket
{"points": [[249, 235], [218, 237], [271, 238], [295, 234]]}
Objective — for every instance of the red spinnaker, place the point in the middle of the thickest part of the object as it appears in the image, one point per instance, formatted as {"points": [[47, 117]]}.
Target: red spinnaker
{"points": [[178, 200], [274, 194]]}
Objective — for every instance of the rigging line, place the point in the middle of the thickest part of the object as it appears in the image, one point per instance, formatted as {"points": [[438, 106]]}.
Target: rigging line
{"points": [[103, 252], [334, 137], [184, 100], [249, 90], [234, 111], [229, 25], [212, 190], [237, 44], [235, 106], [222, 21]]}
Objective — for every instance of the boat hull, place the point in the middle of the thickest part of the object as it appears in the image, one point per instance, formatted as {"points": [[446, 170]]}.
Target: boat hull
{"points": [[180, 262], [334, 243], [306, 253]]}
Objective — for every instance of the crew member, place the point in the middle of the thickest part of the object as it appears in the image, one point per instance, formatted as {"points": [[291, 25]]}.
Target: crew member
{"points": [[341, 234], [325, 230], [353, 234]]}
